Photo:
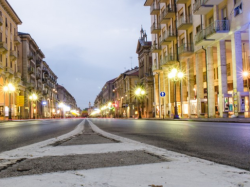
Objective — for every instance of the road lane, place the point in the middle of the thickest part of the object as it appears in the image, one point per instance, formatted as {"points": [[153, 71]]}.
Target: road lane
{"points": [[226, 143], [18, 134]]}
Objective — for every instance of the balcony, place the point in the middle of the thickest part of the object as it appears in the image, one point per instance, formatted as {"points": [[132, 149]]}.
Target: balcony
{"points": [[170, 59], [17, 40], [213, 32], [31, 70], [185, 22], [186, 50], [9, 72], [38, 63], [44, 80], [202, 7], [156, 68], [30, 56], [155, 9], [18, 76], [169, 12], [156, 48], [38, 76], [163, 19], [167, 38], [155, 28], [217, 29], [3, 47], [181, 1], [13, 55]]}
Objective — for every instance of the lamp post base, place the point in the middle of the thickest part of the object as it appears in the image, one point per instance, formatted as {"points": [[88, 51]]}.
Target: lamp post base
{"points": [[176, 116]]}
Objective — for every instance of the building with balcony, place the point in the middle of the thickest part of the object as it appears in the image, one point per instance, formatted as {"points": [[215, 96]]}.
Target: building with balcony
{"points": [[64, 96], [212, 49], [29, 52], [125, 102], [47, 87], [9, 72]]}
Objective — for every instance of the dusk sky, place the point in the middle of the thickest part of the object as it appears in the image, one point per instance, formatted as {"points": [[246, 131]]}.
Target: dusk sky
{"points": [[85, 42]]}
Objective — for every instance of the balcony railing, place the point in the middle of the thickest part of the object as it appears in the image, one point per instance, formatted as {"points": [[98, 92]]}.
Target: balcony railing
{"points": [[9, 70], [186, 48], [155, 67], [201, 35], [218, 26], [198, 4], [184, 20], [31, 70], [155, 48], [155, 27], [169, 59], [155, 8]]}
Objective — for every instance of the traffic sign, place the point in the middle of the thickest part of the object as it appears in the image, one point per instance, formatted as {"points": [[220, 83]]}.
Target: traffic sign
{"points": [[162, 94]]}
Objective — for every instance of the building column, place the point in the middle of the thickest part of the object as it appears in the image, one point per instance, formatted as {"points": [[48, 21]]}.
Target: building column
{"points": [[184, 94], [190, 82], [154, 96], [237, 72], [199, 81], [222, 75], [210, 82]]}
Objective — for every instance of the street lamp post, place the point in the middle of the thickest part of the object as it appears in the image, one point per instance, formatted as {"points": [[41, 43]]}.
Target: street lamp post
{"points": [[175, 75], [139, 93], [9, 88]]}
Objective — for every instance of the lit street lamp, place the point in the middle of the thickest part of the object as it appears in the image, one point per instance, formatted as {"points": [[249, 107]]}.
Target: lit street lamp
{"points": [[33, 97], [175, 75], [139, 93], [9, 88]]}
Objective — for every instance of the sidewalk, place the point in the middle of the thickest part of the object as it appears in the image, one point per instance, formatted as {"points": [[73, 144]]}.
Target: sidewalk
{"points": [[89, 156], [223, 120]]}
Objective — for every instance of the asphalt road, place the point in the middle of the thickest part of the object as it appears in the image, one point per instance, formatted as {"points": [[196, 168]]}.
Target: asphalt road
{"points": [[226, 143], [18, 134]]}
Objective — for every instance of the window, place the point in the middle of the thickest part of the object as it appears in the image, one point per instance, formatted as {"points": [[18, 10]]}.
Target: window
{"points": [[238, 10], [210, 20], [6, 22], [228, 70], [191, 38], [198, 28], [1, 37], [204, 77]]}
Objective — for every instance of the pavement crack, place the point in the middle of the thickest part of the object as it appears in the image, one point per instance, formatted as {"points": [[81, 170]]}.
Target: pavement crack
{"points": [[7, 166]]}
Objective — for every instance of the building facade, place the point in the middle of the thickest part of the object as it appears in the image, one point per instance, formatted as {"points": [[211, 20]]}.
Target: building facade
{"points": [[9, 72], [125, 101], [146, 74], [66, 98], [208, 41]]}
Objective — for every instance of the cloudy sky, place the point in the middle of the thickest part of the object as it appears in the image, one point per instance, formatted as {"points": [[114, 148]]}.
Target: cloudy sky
{"points": [[86, 42]]}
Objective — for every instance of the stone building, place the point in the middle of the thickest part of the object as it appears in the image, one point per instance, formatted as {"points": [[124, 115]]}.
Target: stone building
{"points": [[125, 103], [37, 78], [66, 98], [146, 74], [208, 41], [49, 101], [9, 72]]}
